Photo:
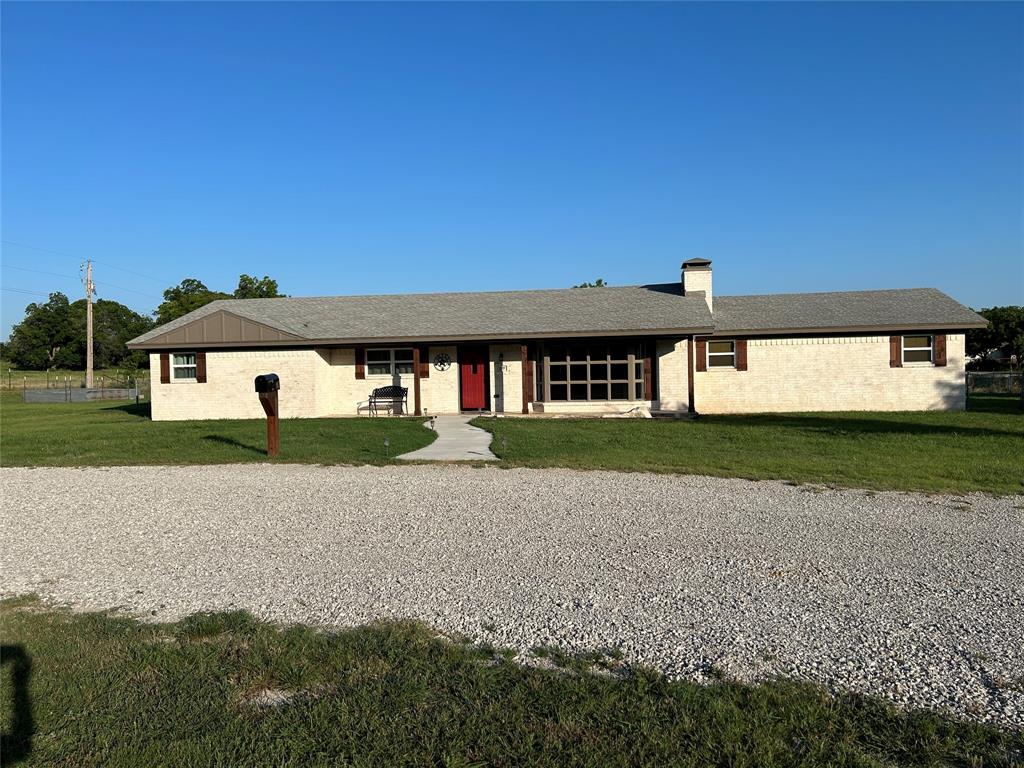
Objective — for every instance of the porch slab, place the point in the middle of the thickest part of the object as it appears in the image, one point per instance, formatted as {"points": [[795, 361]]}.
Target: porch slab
{"points": [[457, 440]]}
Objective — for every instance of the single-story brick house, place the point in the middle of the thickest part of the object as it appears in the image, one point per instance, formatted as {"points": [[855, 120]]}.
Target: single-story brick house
{"points": [[667, 348]]}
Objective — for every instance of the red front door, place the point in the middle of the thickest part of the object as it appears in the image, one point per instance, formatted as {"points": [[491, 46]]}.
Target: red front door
{"points": [[473, 372]]}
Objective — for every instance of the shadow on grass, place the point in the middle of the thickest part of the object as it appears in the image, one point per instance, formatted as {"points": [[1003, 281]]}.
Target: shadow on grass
{"points": [[853, 425], [17, 743], [234, 443], [141, 410]]}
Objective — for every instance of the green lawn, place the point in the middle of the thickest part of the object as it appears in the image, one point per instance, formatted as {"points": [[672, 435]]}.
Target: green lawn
{"points": [[88, 689], [112, 433], [979, 450]]}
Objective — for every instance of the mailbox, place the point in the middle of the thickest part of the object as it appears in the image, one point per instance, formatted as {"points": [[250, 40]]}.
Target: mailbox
{"points": [[268, 382]]}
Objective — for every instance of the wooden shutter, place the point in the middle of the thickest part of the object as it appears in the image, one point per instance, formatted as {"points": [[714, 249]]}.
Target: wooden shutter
{"points": [[165, 368], [648, 373], [360, 363], [200, 367], [741, 354], [528, 385], [895, 351], [702, 355], [939, 351], [424, 363]]}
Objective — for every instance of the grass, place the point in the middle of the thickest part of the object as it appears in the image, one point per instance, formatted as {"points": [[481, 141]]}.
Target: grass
{"points": [[91, 689], [101, 433], [957, 452], [977, 450]]}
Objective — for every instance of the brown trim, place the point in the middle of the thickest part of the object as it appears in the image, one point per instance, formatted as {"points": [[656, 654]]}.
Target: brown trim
{"points": [[702, 355], [424, 362], [386, 341], [648, 372], [528, 386], [165, 368], [939, 349], [200, 367], [360, 363], [895, 351], [417, 411], [741, 354], [843, 330], [691, 404]]}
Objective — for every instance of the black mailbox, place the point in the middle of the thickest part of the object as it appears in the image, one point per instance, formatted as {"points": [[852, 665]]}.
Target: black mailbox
{"points": [[268, 382]]}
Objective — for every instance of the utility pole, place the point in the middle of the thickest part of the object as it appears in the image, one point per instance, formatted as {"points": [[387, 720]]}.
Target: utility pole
{"points": [[89, 288]]}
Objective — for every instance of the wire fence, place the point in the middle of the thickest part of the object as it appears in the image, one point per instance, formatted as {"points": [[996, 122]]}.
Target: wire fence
{"points": [[995, 382], [108, 384]]}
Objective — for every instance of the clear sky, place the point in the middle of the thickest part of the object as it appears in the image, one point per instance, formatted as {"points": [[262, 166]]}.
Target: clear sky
{"points": [[378, 148]]}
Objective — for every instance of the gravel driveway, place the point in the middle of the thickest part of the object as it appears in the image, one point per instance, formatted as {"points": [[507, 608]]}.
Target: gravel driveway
{"points": [[912, 597]]}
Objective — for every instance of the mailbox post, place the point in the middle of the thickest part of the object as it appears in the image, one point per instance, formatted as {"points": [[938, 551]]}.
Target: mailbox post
{"points": [[267, 387]]}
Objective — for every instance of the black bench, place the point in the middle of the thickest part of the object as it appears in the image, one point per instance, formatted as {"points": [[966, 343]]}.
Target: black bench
{"points": [[390, 399]]}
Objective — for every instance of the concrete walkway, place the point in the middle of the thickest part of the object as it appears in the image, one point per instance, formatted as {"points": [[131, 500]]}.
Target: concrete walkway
{"points": [[456, 441]]}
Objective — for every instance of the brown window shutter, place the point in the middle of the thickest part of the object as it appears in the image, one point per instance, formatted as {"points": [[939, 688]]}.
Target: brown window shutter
{"points": [[741, 354], [201, 367], [939, 342], [702, 355], [165, 368], [424, 363], [360, 363], [895, 351], [648, 373]]}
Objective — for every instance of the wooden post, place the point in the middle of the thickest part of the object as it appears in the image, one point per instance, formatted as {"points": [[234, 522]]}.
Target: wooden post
{"points": [[417, 411], [89, 288], [269, 402]]}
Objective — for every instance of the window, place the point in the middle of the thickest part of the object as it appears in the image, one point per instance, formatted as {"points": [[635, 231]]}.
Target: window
{"points": [[583, 372], [388, 362], [183, 366], [917, 349], [721, 354]]}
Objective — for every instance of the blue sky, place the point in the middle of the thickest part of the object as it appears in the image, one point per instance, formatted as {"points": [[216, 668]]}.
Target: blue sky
{"points": [[368, 148]]}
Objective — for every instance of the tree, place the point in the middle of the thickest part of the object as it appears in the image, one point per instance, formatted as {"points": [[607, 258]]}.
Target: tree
{"points": [[251, 288], [1005, 329], [185, 297], [46, 337], [599, 283], [114, 325]]}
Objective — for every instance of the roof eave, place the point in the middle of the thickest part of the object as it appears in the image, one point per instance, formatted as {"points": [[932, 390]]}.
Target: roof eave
{"points": [[366, 340], [833, 329]]}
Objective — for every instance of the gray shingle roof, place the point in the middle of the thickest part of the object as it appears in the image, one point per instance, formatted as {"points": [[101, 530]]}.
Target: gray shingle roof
{"points": [[907, 309], [643, 310], [510, 314]]}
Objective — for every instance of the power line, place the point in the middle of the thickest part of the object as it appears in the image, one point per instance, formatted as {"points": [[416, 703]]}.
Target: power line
{"points": [[22, 290], [78, 277], [160, 280]]}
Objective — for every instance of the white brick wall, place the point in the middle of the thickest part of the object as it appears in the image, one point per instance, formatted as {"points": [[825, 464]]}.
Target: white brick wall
{"points": [[831, 374], [673, 376], [812, 374]]}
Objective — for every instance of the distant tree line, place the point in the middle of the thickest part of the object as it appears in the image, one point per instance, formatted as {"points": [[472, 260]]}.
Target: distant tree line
{"points": [[1004, 334], [52, 335]]}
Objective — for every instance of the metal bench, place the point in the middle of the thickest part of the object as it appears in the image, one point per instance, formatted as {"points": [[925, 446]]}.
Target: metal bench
{"points": [[390, 399]]}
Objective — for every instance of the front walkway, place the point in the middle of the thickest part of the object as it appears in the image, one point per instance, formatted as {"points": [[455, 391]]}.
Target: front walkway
{"points": [[456, 441]]}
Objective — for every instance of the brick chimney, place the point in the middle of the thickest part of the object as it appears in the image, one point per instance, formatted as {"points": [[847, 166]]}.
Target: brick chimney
{"points": [[697, 279]]}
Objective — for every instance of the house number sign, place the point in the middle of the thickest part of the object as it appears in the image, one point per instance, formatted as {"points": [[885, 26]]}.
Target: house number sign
{"points": [[442, 361]]}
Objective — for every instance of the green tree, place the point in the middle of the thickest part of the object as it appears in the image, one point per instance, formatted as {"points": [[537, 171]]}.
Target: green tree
{"points": [[250, 287], [1005, 329], [113, 326], [185, 297], [46, 337], [599, 283]]}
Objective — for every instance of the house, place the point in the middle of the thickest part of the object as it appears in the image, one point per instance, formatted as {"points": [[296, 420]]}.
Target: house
{"points": [[670, 348]]}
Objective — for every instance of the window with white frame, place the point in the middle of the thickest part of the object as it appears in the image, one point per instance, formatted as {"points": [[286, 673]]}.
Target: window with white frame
{"points": [[183, 366], [917, 349], [721, 354], [388, 362]]}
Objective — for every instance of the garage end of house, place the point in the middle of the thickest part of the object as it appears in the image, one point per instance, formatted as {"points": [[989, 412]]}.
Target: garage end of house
{"points": [[671, 348]]}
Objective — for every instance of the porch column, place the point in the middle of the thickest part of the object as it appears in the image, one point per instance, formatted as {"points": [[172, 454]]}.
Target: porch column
{"points": [[416, 381], [528, 385]]}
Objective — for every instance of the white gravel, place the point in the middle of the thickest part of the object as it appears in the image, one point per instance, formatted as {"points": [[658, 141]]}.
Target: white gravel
{"points": [[915, 598]]}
